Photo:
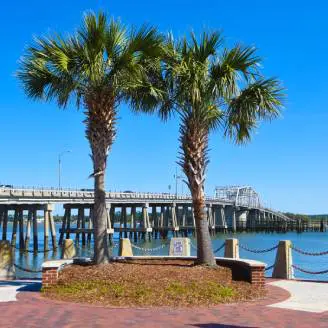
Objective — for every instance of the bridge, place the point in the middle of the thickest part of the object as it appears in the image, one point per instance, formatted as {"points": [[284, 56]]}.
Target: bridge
{"points": [[132, 214]]}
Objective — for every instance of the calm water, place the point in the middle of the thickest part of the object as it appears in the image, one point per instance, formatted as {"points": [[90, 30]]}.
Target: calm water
{"points": [[309, 241]]}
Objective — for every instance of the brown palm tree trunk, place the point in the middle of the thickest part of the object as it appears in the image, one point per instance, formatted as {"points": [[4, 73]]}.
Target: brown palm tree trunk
{"points": [[100, 131], [194, 148], [100, 221], [205, 253]]}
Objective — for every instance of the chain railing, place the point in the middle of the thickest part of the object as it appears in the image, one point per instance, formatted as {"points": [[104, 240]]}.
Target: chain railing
{"points": [[307, 253], [300, 251], [17, 266], [257, 251], [308, 271], [193, 246], [152, 250], [146, 250], [26, 269], [219, 248], [23, 250], [269, 267]]}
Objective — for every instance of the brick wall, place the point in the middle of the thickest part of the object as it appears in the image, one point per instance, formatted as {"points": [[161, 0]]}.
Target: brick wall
{"points": [[244, 272], [257, 276], [49, 277]]}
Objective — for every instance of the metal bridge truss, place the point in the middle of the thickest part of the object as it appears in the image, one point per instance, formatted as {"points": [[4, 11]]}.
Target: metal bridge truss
{"points": [[239, 195]]}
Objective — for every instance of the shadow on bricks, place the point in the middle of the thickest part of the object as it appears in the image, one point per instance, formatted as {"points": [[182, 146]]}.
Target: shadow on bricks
{"points": [[218, 325]]}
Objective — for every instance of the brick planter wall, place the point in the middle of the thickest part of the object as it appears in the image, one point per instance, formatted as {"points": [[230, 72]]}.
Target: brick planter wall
{"points": [[242, 269], [257, 276], [50, 272], [245, 270], [49, 277]]}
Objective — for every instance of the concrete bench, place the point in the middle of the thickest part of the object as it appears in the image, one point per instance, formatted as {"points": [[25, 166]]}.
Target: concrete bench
{"points": [[245, 270]]}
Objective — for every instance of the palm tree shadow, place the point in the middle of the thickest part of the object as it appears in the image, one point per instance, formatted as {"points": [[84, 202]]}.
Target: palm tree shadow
{"points": [[219, 325]]}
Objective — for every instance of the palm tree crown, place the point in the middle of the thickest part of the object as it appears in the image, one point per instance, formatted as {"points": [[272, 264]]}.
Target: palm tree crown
{"points": [[101, 65], [210, 86], [100, 55], [218, 85]]}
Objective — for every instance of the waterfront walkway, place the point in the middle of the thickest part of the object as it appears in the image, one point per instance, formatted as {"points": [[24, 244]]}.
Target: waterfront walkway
{"points": [[276, 310]]}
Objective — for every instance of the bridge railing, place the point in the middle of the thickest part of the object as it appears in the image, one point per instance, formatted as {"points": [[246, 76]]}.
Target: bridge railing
{"points": [[67, 192]]}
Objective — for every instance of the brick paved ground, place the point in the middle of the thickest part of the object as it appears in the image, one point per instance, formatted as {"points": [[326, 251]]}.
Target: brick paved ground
{"points": [[31, 310]]}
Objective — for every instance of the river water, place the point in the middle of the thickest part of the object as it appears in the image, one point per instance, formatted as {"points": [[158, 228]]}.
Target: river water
{"points": [[308, 241]]}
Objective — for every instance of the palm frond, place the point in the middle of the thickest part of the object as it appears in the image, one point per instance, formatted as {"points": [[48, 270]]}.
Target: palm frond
{"points": [[206, 47], [44, 71], [115, 39], [242, 59], [101, 57], [233, 65], [261, 100]]}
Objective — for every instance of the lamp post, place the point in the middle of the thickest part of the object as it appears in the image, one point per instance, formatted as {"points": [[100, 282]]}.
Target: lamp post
{"points": [[59, 166], [176, 176]]}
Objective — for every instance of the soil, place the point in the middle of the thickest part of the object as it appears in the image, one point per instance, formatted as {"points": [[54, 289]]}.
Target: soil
{"points": [[155, 283]]}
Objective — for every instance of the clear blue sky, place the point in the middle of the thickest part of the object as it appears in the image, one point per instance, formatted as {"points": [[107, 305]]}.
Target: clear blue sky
{"points": [[287, 160]]}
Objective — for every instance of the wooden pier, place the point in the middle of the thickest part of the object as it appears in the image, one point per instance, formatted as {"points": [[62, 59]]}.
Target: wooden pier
{"points": [[27, 215]]}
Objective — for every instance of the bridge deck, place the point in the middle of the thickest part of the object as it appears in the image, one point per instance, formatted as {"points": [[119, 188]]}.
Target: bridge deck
{"points": [[137, 213]]}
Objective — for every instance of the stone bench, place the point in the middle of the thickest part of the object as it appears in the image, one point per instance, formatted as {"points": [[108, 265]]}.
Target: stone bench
{"points": [[242, 269], [245, 270]]}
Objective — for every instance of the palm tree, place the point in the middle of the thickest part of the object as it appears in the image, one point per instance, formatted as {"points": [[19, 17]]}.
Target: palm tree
{"points": [[101, 65], [209, 87]]}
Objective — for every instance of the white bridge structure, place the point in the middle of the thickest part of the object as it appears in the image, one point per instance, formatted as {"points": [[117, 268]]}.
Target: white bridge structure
{"points": [[132, 214], [239, 195]]}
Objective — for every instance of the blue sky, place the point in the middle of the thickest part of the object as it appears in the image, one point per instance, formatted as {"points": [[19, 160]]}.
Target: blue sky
{"points": [[287, 159]]}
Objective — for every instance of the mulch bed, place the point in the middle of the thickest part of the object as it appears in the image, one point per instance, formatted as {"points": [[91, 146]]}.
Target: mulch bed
{"points": [[155, 283]]}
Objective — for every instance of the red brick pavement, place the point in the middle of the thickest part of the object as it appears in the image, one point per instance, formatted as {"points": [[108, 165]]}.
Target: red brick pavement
{"points": [[31, 310]]}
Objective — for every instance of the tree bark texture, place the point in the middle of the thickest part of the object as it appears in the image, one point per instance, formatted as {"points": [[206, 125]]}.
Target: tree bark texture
{"points": [[193, 160], [100, 131]]}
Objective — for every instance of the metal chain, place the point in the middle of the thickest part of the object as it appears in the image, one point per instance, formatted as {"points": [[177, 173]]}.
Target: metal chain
{"points": [[149, 250], [114, 245], [30, 251], [218, 249], [308, 253], [307, 271], [269, 267], [26, 270], [258, 251]]}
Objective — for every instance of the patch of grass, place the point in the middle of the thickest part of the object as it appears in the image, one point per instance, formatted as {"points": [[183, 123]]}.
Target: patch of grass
{"points": [[203, 290], [176, 292], [116, 289]]}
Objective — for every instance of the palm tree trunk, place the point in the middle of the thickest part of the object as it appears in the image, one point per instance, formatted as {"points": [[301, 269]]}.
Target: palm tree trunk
{"points": [[193, 160], [100, 221], [100, 131], [205, 253]]}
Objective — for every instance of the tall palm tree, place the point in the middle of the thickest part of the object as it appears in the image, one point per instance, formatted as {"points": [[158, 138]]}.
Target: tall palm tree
{"points": [[210, 86], [101, 65]]}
